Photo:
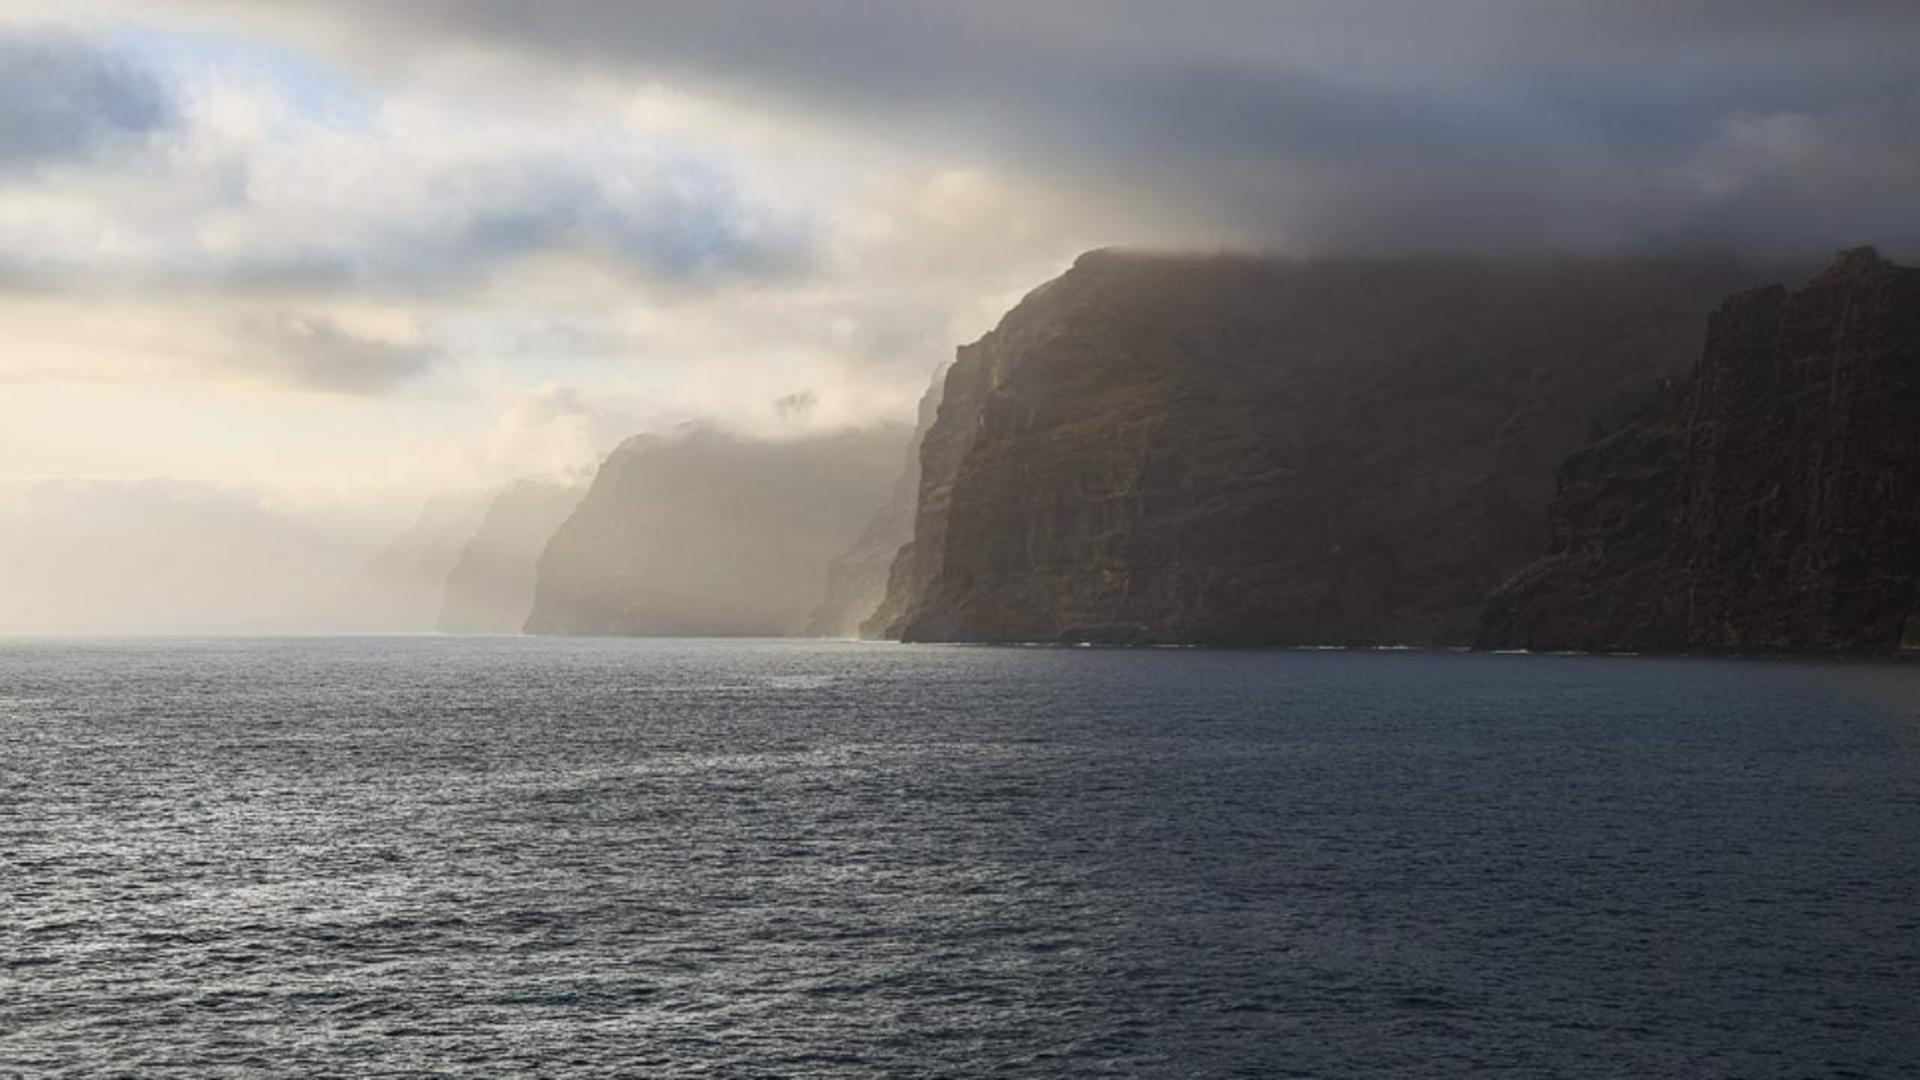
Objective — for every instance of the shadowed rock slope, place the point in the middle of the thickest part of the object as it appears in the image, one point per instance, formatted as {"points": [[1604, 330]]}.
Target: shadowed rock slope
{"points": [[1239, 450], [703, 533], [1768, 502], [857, 580]]}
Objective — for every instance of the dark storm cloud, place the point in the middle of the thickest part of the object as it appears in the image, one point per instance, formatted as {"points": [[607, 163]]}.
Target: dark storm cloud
{"points": [[1756, 123], [62, 98]]}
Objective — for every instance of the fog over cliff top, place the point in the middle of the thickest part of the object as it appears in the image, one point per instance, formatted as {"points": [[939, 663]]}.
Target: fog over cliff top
{"points": [[337, 256]]}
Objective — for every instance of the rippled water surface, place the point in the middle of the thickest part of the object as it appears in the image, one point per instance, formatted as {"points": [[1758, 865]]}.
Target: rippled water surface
{"points": [[436, 856]]}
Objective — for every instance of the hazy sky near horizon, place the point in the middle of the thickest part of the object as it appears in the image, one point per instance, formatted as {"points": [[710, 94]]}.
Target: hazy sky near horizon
{"points": [[327, 257]]}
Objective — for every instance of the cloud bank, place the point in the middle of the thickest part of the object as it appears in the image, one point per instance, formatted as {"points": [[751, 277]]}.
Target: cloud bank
{"points": [[1322, 125]]}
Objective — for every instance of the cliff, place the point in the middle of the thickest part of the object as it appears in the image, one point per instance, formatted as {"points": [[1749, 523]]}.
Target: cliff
{"points": [[401, 586], [1240, 450], [857, 579], [943, 449], [490, 588], [1769, 502], [704, 533]]}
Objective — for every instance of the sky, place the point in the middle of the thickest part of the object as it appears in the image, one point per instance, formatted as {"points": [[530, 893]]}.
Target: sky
{"points": [[315, 261]]}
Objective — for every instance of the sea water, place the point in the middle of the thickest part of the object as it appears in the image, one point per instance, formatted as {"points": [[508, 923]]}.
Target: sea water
{"points": [[411, 856]]}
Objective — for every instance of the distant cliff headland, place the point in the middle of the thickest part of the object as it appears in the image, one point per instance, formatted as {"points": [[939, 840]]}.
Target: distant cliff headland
{"points": [[1541, 454], [703, 533]]}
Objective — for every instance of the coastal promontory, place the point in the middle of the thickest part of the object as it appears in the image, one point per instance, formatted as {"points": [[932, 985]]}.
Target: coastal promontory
{"points": [[1243, 450], [702, 532]]}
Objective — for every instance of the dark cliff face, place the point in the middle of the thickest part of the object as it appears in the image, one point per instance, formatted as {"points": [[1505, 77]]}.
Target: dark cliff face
{"points": [[490, 589], [1237, 450], [707, 534], [1769, 502], [857, 580]]}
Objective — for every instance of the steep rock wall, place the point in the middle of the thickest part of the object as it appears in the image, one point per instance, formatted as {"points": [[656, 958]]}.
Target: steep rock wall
{"points": [[1240, 450], [1769, 502], [857, 579]]}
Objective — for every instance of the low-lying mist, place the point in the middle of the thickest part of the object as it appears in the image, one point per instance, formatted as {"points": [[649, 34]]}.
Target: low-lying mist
{"points": [[738, 530]]}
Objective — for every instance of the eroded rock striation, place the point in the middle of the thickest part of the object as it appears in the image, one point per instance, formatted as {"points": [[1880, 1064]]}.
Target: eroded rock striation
{"points": [[705, 533], [1240, 450], [1769, 501]]}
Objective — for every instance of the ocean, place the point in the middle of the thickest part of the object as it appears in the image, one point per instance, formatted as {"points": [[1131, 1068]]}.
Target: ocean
{"points": [[486, 857]]}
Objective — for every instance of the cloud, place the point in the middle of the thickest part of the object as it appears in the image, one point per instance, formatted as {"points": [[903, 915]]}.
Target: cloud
{"points": [[250, 175], [1309, 125], [795, 406], [312, 352], [423, 219], [551, 430], [63, 98], [678, 220]]}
